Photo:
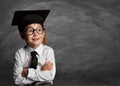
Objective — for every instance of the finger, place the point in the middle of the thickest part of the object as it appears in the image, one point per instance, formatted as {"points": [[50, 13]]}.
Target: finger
{"points": [[48, 67], [25, 68], [49, 63]]}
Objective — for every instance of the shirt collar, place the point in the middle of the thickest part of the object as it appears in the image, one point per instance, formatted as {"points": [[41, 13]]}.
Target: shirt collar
{"points": [[39, 49]]}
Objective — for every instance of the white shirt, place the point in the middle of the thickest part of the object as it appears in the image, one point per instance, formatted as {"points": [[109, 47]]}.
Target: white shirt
{"points": [[23, 58]]}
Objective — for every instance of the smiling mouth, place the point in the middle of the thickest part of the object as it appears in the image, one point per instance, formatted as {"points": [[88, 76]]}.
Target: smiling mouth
{"points": [[35, 39]]}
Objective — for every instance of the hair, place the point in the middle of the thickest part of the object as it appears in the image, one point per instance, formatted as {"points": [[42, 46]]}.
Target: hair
{"points": [[44, 39]]}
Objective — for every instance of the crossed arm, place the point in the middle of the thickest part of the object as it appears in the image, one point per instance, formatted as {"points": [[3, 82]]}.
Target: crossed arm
{"points": [[47, 66], [23, 75]]}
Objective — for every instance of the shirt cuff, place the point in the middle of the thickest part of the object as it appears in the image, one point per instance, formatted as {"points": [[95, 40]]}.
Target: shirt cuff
{"points": [[31, 73]]}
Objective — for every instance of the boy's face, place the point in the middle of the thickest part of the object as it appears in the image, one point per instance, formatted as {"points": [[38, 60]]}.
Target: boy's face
{"points": [[34, 35]]}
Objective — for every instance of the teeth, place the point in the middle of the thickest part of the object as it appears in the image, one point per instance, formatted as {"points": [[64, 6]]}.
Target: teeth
{"points": [[35, 39]]}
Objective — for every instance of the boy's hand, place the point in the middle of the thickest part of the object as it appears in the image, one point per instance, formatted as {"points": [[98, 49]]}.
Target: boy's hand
{"points": [[47, 66], [25, 72]]}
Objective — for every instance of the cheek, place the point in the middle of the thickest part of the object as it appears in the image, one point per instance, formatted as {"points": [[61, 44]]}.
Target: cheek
{"points": [[41, 36], [28, 38]]}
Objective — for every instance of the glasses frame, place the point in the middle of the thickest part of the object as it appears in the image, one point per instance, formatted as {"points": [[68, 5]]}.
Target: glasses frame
{"points": [[34, 31]]}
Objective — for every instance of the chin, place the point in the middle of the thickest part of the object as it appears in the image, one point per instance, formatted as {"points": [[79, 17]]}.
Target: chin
{"points": [[34, 43], [37, 43]]}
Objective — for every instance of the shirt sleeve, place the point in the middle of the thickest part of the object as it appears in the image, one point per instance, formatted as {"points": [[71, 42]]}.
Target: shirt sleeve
{"points": [[47, 75], [17, 70]]}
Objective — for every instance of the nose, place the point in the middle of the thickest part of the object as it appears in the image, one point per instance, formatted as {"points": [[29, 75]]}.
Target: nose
{"points": [[35, 32]]}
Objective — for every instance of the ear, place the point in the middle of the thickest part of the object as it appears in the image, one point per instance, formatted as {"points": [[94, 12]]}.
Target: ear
{"points": [[22, 35]]}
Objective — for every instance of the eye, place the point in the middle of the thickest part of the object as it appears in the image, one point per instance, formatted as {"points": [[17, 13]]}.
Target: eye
{"points": [[39, 29], [29, 29]]}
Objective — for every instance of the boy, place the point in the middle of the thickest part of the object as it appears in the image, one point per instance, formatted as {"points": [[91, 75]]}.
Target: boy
{"points": [[34, 63]]}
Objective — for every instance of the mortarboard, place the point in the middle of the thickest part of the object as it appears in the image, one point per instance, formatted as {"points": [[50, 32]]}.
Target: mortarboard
{"points": [[23, 18]]}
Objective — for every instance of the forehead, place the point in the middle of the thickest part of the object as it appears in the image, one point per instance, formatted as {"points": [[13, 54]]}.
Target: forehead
{"points": [[34, 25]]}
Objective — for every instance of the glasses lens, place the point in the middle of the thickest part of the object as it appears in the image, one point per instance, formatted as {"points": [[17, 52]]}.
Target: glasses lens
{"points": [[29, 31], [39, 30]]}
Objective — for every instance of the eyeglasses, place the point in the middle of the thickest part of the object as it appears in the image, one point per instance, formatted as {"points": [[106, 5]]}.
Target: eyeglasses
{"points": [[31, 30]]}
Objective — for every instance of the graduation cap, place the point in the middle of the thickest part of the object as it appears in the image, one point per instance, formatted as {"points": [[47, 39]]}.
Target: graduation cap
{"points": [[23, 18]]}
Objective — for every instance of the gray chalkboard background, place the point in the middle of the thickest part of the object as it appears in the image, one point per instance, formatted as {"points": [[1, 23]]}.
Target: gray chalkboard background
{"points": [[85, 35]]}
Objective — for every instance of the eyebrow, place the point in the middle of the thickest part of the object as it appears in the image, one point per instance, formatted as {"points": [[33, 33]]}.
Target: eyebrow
{"points": [[27, 28], [32, 27]]}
